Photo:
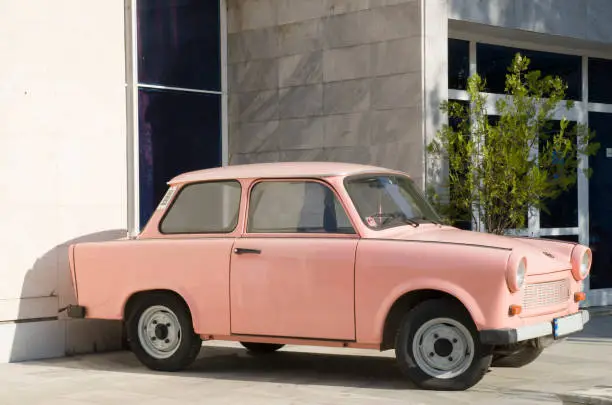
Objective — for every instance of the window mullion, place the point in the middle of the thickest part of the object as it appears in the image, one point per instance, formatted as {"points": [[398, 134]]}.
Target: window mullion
{"points": [[476, 221]]}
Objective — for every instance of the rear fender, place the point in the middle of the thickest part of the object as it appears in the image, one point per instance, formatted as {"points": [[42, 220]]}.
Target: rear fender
{"points": [[189, 302]]}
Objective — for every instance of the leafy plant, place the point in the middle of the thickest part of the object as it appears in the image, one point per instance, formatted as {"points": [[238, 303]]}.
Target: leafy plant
{"points": [[500, 166]]}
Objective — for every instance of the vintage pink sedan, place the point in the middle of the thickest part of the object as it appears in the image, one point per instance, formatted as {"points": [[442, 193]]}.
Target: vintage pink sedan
{"points": [[329, 254]]}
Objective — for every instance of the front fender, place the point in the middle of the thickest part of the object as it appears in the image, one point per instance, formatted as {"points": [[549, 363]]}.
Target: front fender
{"points": [[387, 270], [470, 303]]}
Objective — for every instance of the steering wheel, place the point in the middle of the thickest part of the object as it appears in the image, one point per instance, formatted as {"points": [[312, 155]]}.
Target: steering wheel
{"points": [[382, 217]]}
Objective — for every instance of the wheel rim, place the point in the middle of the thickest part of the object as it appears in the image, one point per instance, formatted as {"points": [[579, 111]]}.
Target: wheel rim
{"points": [[443, 348], [159, 332]]}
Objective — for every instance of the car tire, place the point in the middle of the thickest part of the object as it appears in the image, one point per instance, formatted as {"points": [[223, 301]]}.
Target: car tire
{"points": [[524, 355], [160, 333], [437, 347], [261, 348]]}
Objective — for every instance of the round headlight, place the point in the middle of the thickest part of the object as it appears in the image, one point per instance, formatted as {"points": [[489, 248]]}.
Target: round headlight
{"points": [[581, 262], [520, 273], [585, 264], [516, 272]]}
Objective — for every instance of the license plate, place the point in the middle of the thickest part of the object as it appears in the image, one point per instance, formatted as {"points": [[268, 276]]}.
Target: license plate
{"points": [[567, 325]]}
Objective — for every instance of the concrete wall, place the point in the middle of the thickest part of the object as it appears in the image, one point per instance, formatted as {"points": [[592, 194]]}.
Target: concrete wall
{"points": [[62, 164], [326, 80], [587, 20]]}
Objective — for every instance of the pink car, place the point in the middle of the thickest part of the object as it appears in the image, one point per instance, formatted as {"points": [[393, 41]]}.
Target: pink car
{"points": [[335, 255]]}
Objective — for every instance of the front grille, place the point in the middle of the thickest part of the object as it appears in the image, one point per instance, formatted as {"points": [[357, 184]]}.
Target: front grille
{"points": [[544, 294]]}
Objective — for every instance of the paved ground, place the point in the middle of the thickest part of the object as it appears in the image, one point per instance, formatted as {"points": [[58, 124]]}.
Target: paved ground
{"points": [[225, 374]]}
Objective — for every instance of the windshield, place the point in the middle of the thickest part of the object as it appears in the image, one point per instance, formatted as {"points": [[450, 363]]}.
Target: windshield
{"points": [[385, 201]]}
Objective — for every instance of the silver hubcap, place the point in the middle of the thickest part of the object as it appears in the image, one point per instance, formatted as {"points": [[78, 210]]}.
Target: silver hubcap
{"points": [[443, 348], [159, 332]]}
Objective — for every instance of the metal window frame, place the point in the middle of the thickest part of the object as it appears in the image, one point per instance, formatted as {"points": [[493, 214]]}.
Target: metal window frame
{"points": [[134, 224], [579, 113]]}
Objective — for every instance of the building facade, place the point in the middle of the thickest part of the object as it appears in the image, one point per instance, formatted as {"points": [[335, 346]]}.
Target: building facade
{"points": [[103, 102]]}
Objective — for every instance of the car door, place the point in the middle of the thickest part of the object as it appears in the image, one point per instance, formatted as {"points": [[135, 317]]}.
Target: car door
{"points": [[293, 270]]}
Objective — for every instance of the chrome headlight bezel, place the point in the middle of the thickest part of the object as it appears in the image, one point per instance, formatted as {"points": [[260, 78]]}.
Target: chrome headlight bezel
{"points": [[516, 273], [585, 264], [582, 259], [521, 271]]}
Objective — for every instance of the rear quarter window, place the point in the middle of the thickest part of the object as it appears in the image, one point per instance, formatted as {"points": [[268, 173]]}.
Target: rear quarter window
{"points": [[211, 207]]}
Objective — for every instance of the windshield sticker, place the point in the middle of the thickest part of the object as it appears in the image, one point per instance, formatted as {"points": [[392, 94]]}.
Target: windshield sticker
{"points": [[167, 197]]}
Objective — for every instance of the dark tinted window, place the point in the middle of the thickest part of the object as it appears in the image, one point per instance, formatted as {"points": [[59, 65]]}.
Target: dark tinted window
{"points": [[493, 62], [458, 64], [462, 217], [600, 201], [178, 132], [179, 43], [563, 210], [296, 207], [204, 208], [600, 81]]}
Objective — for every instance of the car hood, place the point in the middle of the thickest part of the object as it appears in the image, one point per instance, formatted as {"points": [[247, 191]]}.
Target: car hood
{"points": [[539, 260]]}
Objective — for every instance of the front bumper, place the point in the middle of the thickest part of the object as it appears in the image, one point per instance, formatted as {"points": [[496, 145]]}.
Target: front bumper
{"points": [[557, 329]]}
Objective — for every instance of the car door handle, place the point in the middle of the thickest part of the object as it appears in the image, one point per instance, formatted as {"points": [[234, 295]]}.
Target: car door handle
{"points": [[242, 251]]}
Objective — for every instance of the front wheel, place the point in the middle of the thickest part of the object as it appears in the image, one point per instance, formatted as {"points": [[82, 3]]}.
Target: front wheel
{"points": [[160, 333], [438, 348]]}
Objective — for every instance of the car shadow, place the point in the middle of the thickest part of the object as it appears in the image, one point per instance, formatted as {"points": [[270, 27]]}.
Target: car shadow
{"points": [[351, 370], [53, 334], [284, 366]]}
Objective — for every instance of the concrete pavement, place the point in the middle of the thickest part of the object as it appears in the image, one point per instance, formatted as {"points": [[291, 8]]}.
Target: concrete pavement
{"points": [[226, 374]]}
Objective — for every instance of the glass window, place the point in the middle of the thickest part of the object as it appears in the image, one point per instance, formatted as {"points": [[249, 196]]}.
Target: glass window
{"points": [[388, 201], [600, 81], [178, 132], [204, 208], [462, 217], [600, 201], [296, 207], [563, 210], [179, 43], [563, 238], [493, 62], [458, 64]]}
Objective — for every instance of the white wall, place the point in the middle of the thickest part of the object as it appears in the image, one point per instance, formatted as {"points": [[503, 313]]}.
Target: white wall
{"points": [[435, 83], [62, 163]]}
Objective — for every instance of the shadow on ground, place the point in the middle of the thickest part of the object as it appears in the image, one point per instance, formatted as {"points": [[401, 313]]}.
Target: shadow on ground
{"points": [[352, 371], [287, 367]]}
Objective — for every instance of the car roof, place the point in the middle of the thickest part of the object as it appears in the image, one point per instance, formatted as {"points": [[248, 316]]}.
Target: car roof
{"points": [[278, 170]]}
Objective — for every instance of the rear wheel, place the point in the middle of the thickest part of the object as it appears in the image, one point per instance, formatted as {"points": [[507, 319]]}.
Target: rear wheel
{"points": [[160, 333], [437, 347], [261, 348]]}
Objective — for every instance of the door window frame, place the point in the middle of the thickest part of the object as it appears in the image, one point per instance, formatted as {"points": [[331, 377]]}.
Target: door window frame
{"points": [[135, 224], [305, 235], [178, 194]]}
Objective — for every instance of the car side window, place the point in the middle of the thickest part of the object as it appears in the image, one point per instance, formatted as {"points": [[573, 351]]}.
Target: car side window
{"points": [[296, 207], [211, 207]]}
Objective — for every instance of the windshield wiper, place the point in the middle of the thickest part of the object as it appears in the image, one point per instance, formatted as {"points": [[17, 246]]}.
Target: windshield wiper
{"points": [[433, 221]]}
